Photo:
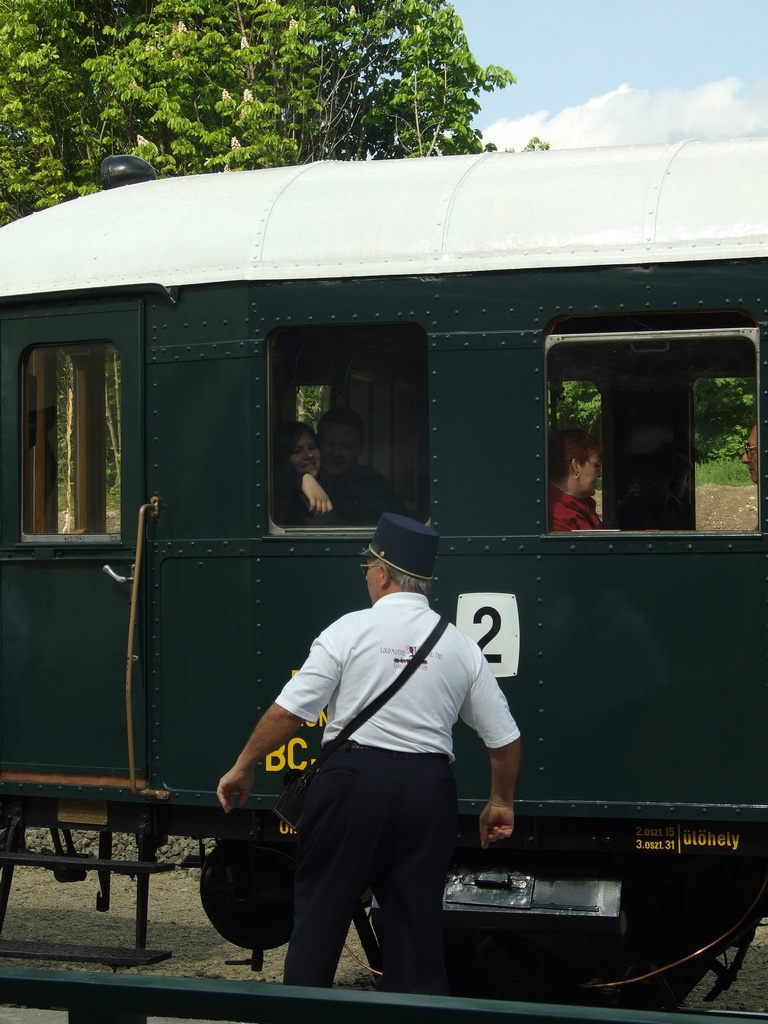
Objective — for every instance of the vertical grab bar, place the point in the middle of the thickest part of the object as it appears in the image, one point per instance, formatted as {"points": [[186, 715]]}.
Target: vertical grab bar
{"points": [[153, 507]]}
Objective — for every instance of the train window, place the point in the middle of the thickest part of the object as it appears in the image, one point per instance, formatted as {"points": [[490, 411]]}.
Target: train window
{"points": [[71, 442], [348, 426], [652, 418]]}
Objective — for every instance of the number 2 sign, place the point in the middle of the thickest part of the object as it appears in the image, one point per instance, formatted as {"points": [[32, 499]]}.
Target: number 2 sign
{"points": [[493, 623]]}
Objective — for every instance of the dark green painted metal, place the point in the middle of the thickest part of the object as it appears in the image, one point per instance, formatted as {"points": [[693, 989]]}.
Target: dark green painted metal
{"points": [[645, 661], [632, 653], [64, 622], [126, 999]]}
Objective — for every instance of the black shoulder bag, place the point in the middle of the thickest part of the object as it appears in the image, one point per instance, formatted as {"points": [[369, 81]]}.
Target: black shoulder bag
{"points": [[290, 804]]}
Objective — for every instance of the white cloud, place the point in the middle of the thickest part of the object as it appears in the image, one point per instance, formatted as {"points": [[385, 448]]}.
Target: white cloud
{"points": [[625, 116]]}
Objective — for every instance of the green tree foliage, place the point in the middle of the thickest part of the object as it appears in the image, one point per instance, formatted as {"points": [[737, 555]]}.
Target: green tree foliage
{"points": [[312, 400], [534, 145], [724, 411], [49, 124], [576, 405], [205, 85]]}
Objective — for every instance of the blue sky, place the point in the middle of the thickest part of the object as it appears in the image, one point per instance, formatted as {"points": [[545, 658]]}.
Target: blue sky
{"points": [[614, 72]]}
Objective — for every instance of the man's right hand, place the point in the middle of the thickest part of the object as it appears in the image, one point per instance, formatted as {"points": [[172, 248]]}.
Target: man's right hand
{"points": [[238, 781]]}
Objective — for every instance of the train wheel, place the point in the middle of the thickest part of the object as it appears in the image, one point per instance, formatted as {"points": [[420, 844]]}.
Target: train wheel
{"points": [[247, 894]]}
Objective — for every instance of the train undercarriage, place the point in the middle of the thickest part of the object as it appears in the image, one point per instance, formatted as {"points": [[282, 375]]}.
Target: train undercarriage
{"points": [[570, 926], [556, 925]]}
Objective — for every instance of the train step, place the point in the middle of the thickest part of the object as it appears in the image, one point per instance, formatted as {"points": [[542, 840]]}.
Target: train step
{"points": [[112, 956], [53, 861]]}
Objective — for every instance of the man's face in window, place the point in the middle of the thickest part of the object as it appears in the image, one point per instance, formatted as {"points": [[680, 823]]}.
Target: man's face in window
{"points": [[749, 458], [340, 448]]}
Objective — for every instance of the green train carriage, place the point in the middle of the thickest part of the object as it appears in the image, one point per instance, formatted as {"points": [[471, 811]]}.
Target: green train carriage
{"points": [[153, 340]]}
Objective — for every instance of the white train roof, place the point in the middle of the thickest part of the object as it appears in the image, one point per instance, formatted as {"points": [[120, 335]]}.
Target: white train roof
{"points": [[495, 211]]}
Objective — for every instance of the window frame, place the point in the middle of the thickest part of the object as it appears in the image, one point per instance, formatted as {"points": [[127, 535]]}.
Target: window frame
{"points": [[90, 389], [343, 344], [649, 339]]}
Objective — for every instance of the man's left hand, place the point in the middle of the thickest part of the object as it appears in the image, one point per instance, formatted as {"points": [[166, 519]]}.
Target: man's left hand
{"points": [[497, 821]]}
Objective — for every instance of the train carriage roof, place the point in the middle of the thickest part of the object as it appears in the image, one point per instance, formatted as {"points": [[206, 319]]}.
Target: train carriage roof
{"points": [[495, 211]]}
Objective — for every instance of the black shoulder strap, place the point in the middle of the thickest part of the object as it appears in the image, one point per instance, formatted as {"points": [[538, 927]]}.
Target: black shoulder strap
{"points": [[383, 697]]}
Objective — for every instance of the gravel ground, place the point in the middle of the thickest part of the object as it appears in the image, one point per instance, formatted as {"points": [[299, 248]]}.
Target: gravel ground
{"points": [[720, 508], [749, 993], [42, 909], [726, 508]]}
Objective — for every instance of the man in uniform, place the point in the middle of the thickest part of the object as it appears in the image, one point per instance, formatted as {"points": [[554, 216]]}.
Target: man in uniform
{"points": [[382, 811]]}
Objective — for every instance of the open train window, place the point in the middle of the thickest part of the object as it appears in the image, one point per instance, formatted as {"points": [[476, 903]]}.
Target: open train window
{"points": [[661, 416], [71, 442], [348, 426]]}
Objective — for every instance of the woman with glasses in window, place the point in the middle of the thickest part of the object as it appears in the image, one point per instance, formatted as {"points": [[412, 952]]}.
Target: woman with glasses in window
{"points": [[574, 466], [299, 498]]}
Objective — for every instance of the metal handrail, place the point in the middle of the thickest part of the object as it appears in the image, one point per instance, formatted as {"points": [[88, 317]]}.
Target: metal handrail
{"points": [[153, 507], [111, 998]]}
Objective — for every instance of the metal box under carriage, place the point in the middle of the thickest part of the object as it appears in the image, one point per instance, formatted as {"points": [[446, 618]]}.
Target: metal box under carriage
{"points": [[150, 353]]}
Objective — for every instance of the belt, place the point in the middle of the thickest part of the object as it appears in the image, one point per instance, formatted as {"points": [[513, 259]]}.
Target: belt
{"points": [[354, 745]]}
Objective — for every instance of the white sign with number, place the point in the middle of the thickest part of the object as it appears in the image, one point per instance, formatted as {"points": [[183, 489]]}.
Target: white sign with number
{"points": [[494, 624]]}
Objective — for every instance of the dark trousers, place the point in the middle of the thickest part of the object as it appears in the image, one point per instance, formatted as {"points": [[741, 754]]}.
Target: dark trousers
{"points": [[382, 819]]}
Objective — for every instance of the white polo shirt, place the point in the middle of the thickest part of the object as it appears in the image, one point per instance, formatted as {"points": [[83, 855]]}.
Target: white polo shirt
{"points": [[359, 655]]}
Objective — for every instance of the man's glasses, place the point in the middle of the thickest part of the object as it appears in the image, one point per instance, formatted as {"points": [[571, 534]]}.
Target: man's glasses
{"points": [[365, 566], [748, 448]]}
